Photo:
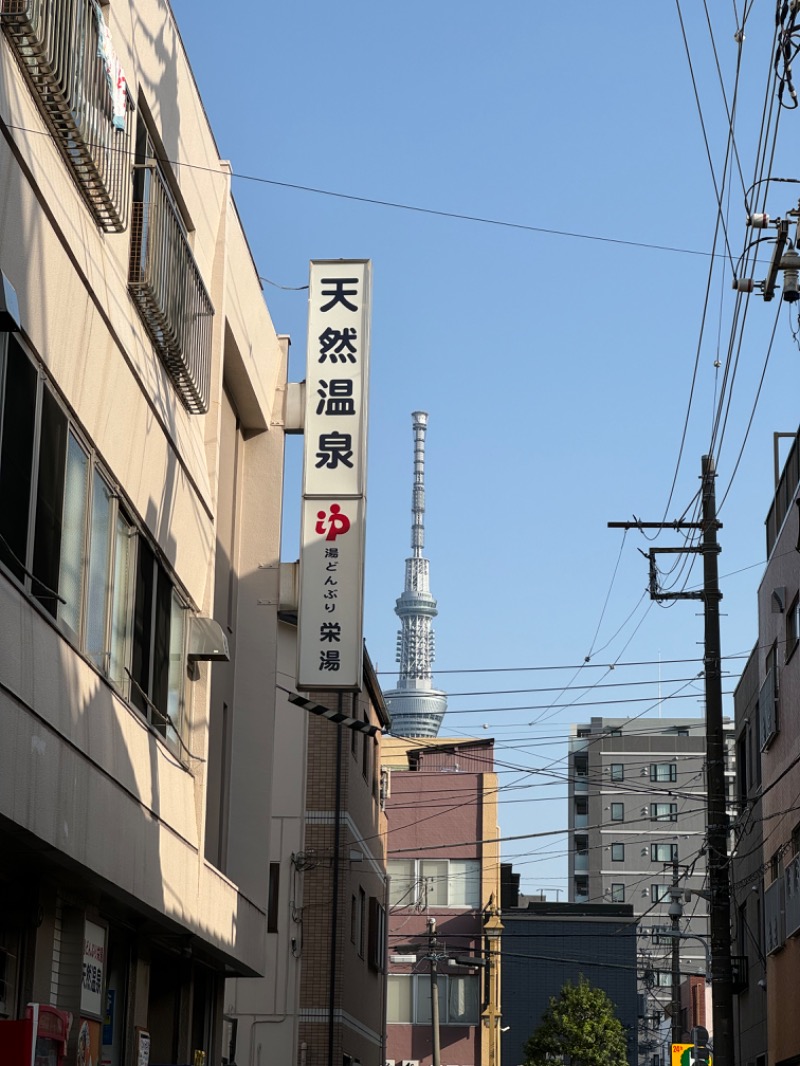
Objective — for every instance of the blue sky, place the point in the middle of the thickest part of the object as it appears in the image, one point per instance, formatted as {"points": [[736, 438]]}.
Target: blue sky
{"points": [[555, 356]]}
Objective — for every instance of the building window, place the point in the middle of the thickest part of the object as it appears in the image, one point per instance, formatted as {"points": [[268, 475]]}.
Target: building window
{"points": [[400, 998], [768, 699], [365, 747], [581, 812], [581, 854], [617, 771], [662, 979], [742, 749], [361, 920], [659, 893], [66, 539], [409, 999], [581, 764], [18, 426], [792, 628], [663, 771], [581, 889], [272, 897], [618, 853], [618, 893], [156, 671], [99, 571], [617, 812], [742, 930], [663, 812], [376, 939], [463, 1000], [434, 883], [663, 852]]}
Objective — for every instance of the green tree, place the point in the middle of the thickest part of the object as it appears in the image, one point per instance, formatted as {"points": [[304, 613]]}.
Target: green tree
{"points": [[579, 1027]]}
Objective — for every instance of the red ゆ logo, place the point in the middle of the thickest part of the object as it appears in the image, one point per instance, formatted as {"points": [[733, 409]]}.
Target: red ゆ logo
{"points": [[332, 525]]}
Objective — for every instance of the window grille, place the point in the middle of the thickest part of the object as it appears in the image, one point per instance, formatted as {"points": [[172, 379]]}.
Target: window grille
{"points": [[768, 707], [166, 286], [58, 48]]}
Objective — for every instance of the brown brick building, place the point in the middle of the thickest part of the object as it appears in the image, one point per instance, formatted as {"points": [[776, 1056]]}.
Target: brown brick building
{"points": [[444, 865]]}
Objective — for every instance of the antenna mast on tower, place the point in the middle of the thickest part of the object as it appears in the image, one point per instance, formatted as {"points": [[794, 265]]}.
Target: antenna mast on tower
{"points": [[416, 707]]}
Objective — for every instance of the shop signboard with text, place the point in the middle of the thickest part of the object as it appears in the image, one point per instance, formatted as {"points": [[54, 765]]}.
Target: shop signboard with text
{"points": [[330, 621]]}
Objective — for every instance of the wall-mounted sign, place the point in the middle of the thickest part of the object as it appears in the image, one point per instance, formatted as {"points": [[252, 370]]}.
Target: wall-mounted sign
{"points": [[330, 641], [142, 1047], [94, 963]]}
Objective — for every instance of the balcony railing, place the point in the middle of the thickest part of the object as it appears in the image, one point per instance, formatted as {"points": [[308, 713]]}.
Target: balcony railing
{"points": [[775, 916], [169, 292], [792, 895], [785, 492], [57, 46], [768, 708]]}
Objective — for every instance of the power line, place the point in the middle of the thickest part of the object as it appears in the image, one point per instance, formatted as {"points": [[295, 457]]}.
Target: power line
{"points": [[393, 204]]}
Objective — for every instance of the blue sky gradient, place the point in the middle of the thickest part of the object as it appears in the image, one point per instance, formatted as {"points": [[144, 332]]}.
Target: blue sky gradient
{"points": [[557, 369]]}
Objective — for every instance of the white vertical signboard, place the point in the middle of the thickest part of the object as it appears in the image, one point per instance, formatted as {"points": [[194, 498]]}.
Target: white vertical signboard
{"points": [[330, 642], [94, 964]]}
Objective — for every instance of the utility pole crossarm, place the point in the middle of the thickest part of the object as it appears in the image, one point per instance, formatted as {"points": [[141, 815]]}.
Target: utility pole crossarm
{"points": [[636, 524]]}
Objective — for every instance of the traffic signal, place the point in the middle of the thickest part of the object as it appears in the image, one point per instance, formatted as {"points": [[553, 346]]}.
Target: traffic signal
{"points": [[701, 1048]]}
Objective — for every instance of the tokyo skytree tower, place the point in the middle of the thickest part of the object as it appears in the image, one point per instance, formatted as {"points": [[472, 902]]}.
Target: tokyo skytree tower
{"points": [[416, 707]]}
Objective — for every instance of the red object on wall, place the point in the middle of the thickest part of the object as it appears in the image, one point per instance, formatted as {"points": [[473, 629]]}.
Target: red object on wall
{"points": [[16, 1043], [40, 1039]]}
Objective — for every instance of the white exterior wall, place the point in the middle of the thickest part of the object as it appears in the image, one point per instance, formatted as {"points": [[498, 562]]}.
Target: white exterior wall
{"points": [[268, 1009], [79, 769]]}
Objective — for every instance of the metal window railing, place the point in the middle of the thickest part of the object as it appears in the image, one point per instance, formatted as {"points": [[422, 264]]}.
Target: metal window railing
{"points": [[768, 708], [166, 285], [57, 47], [774, 916], [785, 492], [793, 896]]}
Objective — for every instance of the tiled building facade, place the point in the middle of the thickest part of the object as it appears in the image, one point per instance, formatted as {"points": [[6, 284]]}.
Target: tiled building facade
{"points": [[444, 864]]}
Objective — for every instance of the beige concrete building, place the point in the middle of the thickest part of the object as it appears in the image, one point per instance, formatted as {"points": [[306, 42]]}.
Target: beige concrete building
{"points": [[327, 886], [141, 457]]}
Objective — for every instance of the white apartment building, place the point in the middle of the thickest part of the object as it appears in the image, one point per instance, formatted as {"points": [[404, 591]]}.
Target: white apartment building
{"points": [[141, 459]]}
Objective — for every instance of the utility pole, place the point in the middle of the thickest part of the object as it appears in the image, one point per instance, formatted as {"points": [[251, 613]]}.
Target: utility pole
{"points": [[675, 913], [433, 956], [717, 818], [492, 1016], [719, 883], [436, 951]]}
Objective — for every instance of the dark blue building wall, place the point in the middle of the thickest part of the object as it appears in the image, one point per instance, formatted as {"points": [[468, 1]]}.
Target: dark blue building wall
{"points": [[548, 944]]}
